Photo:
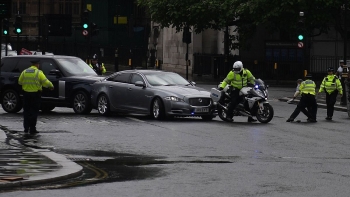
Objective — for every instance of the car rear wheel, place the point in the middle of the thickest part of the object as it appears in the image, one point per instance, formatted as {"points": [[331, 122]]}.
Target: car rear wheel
{"points": [[103, 105], [11, 101], [81, 103], [158, 111]]}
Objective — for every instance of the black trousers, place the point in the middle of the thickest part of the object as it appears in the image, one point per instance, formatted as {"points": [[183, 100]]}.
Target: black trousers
{"points": [[235, 99], [31, 106], [307, 101], [330, 101]]}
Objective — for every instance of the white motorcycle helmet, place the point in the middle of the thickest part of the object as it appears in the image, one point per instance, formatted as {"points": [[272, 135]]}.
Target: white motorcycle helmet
{"points": [[237, 67]]}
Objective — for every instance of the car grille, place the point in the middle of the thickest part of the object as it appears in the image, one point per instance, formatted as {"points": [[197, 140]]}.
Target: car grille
{"points": [[200, 101]]}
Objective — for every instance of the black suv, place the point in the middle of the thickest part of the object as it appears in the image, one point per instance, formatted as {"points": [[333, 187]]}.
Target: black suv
{"points": [[71, 77]]}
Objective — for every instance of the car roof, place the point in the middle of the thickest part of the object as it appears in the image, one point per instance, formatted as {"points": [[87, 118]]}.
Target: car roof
{"points": [[41, 56], [146, 71]]}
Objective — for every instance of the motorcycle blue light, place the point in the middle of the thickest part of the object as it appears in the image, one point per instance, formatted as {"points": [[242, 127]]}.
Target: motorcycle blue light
{"points": [[256, 86]]}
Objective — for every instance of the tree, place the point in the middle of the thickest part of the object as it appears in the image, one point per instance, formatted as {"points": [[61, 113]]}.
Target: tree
{"points": [[200, 15], [276, 15]]}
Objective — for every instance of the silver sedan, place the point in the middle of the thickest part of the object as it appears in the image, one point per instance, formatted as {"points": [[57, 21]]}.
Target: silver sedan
{"points": [[151, 92]]}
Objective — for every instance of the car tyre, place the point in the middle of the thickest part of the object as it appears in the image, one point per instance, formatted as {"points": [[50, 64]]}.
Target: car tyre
{"points": [[207, 117], [11, 102], [158, 111], [103, 105], [81, 103]]}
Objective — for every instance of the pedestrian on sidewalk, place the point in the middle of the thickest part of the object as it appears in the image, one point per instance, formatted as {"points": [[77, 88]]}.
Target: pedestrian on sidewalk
{"points": [[32, 80], [339, 74], [331, 85], [308, 91]]}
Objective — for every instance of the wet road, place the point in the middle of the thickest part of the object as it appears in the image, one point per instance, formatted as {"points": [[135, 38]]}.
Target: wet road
{"points": [[138, 156]]}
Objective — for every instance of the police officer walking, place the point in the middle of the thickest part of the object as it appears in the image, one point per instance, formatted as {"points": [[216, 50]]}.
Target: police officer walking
{"points": [[308, 91], [331, 85], [32, 80], [98, 67]]}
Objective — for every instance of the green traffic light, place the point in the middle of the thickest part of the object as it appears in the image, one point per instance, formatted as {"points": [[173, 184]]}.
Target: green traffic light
{"points": [[300, 37], [85, 26], [5, 32], [18, 30]]}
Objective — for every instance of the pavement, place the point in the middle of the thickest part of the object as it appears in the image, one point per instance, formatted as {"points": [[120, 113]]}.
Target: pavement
{"points": [[25, 165], [21, 165]]}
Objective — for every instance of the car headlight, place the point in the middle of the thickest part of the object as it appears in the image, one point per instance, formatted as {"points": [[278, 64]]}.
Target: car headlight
{"points": [[173, 98]]}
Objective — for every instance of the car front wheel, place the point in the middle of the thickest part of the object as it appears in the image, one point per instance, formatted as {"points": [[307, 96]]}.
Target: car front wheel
{"points": [[103, 105], [81, 103], [11, 101], [158, 111]]}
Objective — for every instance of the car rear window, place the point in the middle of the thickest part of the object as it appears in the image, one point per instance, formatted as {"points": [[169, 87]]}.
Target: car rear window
{"points": [[8, 64]]}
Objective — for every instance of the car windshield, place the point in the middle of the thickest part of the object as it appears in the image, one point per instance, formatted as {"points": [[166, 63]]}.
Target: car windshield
{"points": [[75, 67], [165, 78]]}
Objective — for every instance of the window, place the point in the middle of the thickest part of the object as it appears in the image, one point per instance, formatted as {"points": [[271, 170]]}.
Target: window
{"points": [[69, 7], [60, 8], [19, 8], [23, 64], [46, 66], [136, 77], [8, 64], [75, 9], [22, 8], [122, 77]]}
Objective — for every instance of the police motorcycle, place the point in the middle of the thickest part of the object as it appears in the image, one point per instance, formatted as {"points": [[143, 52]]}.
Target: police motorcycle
{"points": [[254, 102]]}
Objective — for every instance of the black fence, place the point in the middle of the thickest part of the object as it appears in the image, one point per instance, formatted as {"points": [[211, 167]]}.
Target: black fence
{"points": [[215, 66]]}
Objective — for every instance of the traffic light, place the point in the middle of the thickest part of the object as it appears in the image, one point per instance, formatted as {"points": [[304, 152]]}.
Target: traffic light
{"points": [[186, 35], [5, 26], [301, 26], [300, 37], [18, 25], [85, 20]]}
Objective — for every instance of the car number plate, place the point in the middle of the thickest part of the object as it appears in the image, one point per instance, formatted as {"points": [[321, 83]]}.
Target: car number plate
{"points": [[201, 110]]}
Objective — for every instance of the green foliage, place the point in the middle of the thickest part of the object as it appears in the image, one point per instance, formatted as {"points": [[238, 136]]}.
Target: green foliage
{"points": [[275, 15]]}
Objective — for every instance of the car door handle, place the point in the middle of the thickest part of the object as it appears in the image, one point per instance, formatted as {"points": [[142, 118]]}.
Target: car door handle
{"points": [[129, 89], [110, 86]]}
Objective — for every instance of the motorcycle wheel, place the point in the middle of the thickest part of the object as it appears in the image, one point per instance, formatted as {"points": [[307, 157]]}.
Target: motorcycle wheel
{"points": [[222, 114], [265, 115]]}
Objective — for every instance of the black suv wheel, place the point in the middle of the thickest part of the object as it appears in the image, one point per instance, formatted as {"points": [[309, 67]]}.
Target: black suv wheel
{"points": [[11, 101]]}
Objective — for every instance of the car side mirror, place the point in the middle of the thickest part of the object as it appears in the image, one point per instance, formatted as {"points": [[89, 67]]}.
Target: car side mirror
{"points": [[139, 84]]}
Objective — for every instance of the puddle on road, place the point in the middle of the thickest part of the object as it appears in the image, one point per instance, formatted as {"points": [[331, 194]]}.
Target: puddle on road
{"points": [[103, 166], [106, 167]]}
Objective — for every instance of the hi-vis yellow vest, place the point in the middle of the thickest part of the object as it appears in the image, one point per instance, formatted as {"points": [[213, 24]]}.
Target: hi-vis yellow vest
{"points": [[32, 79]]}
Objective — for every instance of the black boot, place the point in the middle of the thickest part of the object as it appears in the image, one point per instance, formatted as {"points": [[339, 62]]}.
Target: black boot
{"points": [[251, 119]]}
